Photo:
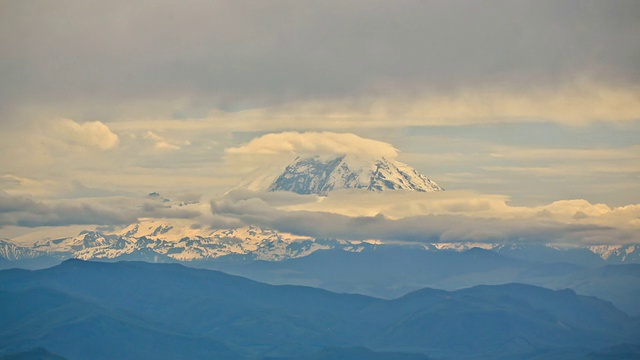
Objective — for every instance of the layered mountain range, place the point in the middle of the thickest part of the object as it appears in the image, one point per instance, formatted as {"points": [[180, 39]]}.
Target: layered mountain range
{"points": [[193, 313], [366, 267], [178, 240], [276, 257], [136, 310]]}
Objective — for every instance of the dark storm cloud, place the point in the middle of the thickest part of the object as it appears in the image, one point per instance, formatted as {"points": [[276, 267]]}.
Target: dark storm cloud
{"points": [[237, 54]]}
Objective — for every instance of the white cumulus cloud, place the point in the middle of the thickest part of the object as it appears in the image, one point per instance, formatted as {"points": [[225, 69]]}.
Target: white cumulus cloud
{"points": [[90, 133]]}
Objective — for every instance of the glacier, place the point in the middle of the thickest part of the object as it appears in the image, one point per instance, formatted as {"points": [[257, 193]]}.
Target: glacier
{"points": [[321, 175]]}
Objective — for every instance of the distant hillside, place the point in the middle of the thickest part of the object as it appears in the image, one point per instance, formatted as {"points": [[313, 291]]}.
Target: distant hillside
{"points": [[389, 272], [87, 310], [35, 354]]}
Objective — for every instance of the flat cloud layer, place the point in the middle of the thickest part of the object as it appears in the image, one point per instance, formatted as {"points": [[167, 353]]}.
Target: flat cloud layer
{"points": [[27, 212], [574, 103], [255, 54], [317, 143], [432, 217], [24, 211]]}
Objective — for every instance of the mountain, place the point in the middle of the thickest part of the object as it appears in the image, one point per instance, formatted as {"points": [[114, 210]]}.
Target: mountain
{"points": [[182, 240], [590, 256], [11, 251], [179, 240], [507, 321], [364, 267], [629, 253], [384, 271], [34, 354], [321, 175], [354, 353], [391, 271], [618, 352], [78, 328], [583, 256], [82, 310], [12, 255]]}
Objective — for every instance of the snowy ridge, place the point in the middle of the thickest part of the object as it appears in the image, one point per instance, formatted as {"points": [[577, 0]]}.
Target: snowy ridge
{"points": [[154, 240], [464, 246], [319, 175], [180, 241], [613, 254], [618, 253], [12, 251]]}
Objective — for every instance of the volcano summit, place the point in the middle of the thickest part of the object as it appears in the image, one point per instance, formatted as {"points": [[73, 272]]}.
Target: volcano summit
{"points": [[320, 175]]}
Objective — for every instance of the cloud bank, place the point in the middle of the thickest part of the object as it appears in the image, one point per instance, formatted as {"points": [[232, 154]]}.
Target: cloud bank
{"points": [[27, 212], [314, 143], [24, 211], [289, 51], [433, 218], [574, 103]]}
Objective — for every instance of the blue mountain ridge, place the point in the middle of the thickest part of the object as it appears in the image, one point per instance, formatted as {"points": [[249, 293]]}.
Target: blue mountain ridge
{"points": [[81, 310]]}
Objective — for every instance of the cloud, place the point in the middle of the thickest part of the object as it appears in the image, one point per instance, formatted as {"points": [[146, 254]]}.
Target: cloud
{"points": [[416, 74], [24, 211], [163, 208], [50, 188], [27, 212], [91, 134], [162, 143], [17, 185], [575, 103], [433, 218], [424, 228], [285, 51], [15, 203], [322, 143]]}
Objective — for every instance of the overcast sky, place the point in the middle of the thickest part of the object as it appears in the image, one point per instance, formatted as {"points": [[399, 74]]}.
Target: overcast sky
{"points": [[527, 103]]}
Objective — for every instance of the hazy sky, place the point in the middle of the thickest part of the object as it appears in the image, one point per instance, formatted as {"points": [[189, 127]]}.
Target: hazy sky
{"points": [[520, 104]]}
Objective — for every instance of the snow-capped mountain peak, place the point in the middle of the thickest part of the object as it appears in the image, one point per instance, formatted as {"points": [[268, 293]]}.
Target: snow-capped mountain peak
{"points": [[11, 251], [177, 240], [320, 175]]}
